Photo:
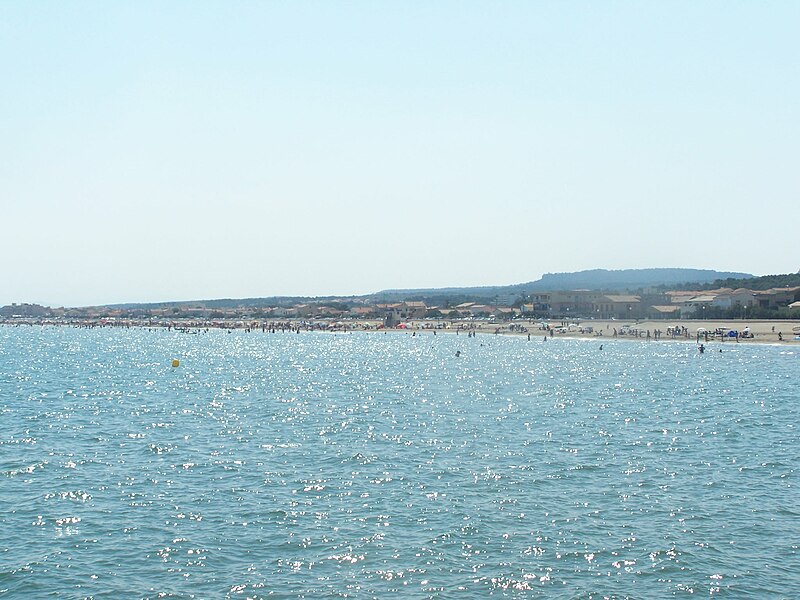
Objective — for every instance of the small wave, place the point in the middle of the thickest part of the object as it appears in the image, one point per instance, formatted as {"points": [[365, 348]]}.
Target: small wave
{"points": [[26, 470]]}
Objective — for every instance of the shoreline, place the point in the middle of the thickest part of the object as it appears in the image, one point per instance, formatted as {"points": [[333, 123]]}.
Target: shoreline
{"points": [[758, 331]]}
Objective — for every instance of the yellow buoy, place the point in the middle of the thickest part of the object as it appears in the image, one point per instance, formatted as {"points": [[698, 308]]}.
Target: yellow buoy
{"points": [[176, 362]]}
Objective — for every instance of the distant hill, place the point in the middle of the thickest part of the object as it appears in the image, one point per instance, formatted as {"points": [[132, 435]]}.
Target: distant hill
{"points": [[595, 279], [756, 283], [266, 302], [629, 279]]}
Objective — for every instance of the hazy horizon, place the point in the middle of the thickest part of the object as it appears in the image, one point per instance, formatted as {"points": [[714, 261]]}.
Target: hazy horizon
{"points": [[721, 274], [320, 295], [153, 152]]}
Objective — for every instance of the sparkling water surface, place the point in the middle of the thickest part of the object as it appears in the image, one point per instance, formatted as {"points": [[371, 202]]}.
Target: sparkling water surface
{"points": [[371, 465]]}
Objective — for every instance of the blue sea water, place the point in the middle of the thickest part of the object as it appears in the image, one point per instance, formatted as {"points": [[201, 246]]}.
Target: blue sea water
{"points": [[372, 465]]}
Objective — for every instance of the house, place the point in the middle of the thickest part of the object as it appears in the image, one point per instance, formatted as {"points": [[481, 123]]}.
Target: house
{"points": [[194, 311], [733, 298], [25, 310], [778, 297], [696, 305], [664, 311], [618, 307], [538, 303], [504, 313], [415, 310], [575, 303], [402, 311], [284, 311], [322, 312], [362, 312]]}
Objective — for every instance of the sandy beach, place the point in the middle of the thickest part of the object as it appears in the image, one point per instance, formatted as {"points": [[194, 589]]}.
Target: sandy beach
{"points": [[761, 331], [750, 331]]}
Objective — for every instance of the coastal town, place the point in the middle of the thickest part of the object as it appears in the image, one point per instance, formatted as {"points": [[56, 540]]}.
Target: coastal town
{"points": [[577, 312]]}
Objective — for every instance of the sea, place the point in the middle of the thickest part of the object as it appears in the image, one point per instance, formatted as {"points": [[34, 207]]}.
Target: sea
{"points": [[378, 465]]}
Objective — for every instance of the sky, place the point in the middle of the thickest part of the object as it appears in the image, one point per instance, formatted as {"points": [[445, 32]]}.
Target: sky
{"points": [[158, 151]]}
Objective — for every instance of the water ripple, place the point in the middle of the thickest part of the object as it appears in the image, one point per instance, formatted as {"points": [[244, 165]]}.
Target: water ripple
{"points": [[373, 465]]}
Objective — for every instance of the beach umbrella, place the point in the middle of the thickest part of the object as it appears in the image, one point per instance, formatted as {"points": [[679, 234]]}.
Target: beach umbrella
{"points": [[701, 330]]}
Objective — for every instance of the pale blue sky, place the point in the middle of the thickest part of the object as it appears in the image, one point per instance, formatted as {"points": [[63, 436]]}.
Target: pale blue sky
{"points": [[155, 151]]}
